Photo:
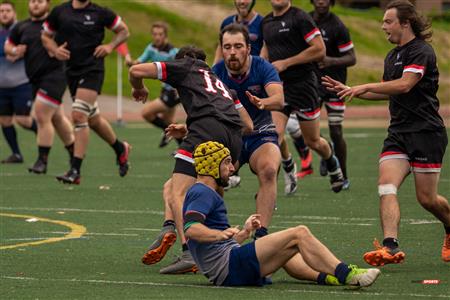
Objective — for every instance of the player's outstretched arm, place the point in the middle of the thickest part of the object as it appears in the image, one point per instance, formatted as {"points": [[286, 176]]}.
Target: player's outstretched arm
{"points": [[203, 234], [338, 87]]}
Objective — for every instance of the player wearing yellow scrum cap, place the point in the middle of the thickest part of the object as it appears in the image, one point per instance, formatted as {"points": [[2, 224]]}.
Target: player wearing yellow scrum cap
{"points": [[208, 158]]}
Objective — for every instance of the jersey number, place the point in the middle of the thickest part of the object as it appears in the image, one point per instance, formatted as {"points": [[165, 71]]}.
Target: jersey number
{"points": [[218, 84]]}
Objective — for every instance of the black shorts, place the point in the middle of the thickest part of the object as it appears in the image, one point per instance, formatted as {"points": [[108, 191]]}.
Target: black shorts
{"points": [[16, 101], [424, 150], [204, 130], [91, 80], [169, 97], [301, 98], [50, 89]]}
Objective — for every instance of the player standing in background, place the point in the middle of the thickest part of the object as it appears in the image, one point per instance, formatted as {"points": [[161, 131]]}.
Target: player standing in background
{"points": [[292, 44], [417, 137], [47, 79], [15, 90], [80, 27], [159, 112]]}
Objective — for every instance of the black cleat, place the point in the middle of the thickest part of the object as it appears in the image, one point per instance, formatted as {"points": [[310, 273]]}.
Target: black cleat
{"points": [[336, 177], [39, 167], [165, 140], [71, 177], [122, 160], [13, 159]]}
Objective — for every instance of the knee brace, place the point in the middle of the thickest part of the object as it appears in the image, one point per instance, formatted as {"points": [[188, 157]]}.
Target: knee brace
{"points": [[86, 108], [292, 127], [80, 126], [387, 189]]}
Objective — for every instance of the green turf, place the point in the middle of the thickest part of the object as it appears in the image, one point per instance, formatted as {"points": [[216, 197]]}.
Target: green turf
{"points": [[105, 262]]}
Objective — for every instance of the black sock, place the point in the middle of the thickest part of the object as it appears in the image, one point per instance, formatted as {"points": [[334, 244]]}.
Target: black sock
{"points": [[11, 138], [260, 232], [340, 146], [331, 163], [43, 153], [391, 243], [301, 147], [158, 122], [179, 141], [341, 272], [184, 247], [321, 278], [118, 147], [70, 149], [76, 163], [447, 229], [288, 164], [33, 127], [169, 223]]}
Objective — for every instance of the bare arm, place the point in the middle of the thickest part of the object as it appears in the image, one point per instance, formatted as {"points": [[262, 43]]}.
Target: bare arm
{"points": [[60, 52], [274, 101], [121, 35], [203, 234], [335, 86], [264, 52], [315, 52], [347, 60], [137, 73], [14, 52]]}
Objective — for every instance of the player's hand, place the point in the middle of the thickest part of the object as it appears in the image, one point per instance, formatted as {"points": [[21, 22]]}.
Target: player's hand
{"points": [[325, 63], [333, 85], [19, 51], [252, 223], [177, 131], [255, 100], [62, 53], [140, 95], [227, 233], [103, 50], [280, 65], [352, 92]]}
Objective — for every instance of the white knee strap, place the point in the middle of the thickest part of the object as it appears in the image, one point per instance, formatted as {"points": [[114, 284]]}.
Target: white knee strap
{"points": [[86, 108], [387, 189], [292, 127]]}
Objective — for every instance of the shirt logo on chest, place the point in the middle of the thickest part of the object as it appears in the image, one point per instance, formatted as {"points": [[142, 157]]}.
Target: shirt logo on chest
{"points": [[284, 29], [398, 62], [88, 20]]}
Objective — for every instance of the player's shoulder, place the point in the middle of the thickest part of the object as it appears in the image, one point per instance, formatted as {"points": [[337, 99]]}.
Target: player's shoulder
{"points": [[421, 46], [228, 20], [219, 67], [62, 7], [21, 25]]}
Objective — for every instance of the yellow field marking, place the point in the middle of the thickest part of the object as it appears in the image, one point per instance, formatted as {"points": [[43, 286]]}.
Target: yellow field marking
{"points": [[76, 231]]}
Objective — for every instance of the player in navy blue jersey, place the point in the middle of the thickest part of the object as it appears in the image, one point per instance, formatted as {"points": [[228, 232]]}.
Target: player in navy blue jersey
{"points": [[216, 246], [259, 89], [247, 16], [213, 112], [74, 33], [160, 111], [417, 137], [47, 78], [15, 90], [292, 44]]}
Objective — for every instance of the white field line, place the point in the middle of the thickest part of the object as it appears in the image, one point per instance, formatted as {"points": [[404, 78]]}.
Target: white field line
{"points": [[155, 212], [95, 233], [197, 286], [143, 229]]}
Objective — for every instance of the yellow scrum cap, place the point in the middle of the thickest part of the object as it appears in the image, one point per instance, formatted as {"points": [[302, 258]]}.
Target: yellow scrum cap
{"points": [[207, 158]]}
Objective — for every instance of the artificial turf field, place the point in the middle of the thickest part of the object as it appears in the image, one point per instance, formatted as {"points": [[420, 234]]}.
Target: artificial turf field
{"points": [[122, 215]]}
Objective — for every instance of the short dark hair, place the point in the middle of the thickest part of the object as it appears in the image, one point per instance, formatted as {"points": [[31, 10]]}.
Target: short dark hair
{"points": [[191, 51], [234, 28], [406, 12], [332, 2], [163, 25], [9, 3]]}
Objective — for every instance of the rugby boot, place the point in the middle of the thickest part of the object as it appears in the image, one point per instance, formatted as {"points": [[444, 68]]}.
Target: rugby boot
{"points": [[165, 140], [323, 169], [446, 248], [122, 160], [233, 182], [306, 165], [290, 181], [14, 158], [346, 185], [383, 255], [336, 177], [71, 177], [181, 265], [39, 167], [160, 246], [361, 277]]}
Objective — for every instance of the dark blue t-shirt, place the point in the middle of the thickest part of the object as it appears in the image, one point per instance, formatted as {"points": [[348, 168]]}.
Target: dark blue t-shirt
{"points": [[260, 74]]}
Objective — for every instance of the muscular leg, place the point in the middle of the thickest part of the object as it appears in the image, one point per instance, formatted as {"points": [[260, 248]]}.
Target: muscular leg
{"points": [[63, 127], [151, 110], [311, 134], [44, 114]]}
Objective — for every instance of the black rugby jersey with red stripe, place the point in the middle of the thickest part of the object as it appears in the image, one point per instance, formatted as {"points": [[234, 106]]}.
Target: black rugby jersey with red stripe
{"points": [[416, 110], [37, 61], [337, 41], [202, 94], [83, 29], [288, 35]]}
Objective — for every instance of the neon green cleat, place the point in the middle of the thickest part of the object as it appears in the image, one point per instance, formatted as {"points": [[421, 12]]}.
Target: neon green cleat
{"points": [[331, 280], [361, 277]]}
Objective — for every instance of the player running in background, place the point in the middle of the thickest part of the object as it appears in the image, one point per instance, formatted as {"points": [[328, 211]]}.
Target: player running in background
{"points": [[15, 90], [417, 137], [292, 44], [216, 248], [160, 112], [260, 90], [47, 78], [79, 27], [212, 113]]}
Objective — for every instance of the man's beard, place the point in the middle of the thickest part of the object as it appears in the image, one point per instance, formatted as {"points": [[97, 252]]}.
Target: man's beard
{"points": [[38, 15]]}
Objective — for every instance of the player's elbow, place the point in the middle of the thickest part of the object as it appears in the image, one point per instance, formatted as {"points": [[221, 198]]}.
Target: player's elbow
{"points": [[135, 72]]}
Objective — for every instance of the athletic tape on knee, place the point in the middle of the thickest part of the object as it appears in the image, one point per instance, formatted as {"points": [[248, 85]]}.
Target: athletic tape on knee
{"points": [[85, 108], [80, 126], [293, 128], [387, 189]]}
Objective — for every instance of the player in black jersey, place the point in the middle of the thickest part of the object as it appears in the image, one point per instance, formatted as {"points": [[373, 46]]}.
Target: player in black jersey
{"points": [[47, 78], [417, 137], [292, 44], [79, 28], [213, 113]]}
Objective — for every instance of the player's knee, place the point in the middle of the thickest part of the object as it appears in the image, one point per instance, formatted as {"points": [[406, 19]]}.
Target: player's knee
{"points": [[302, 232], [268, 173], [167, 189], [387, 189], [313, 143]]}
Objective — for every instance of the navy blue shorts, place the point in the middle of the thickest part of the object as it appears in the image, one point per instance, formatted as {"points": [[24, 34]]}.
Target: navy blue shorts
{"points": [[250, 143], [16, 101], [243, 267]]}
